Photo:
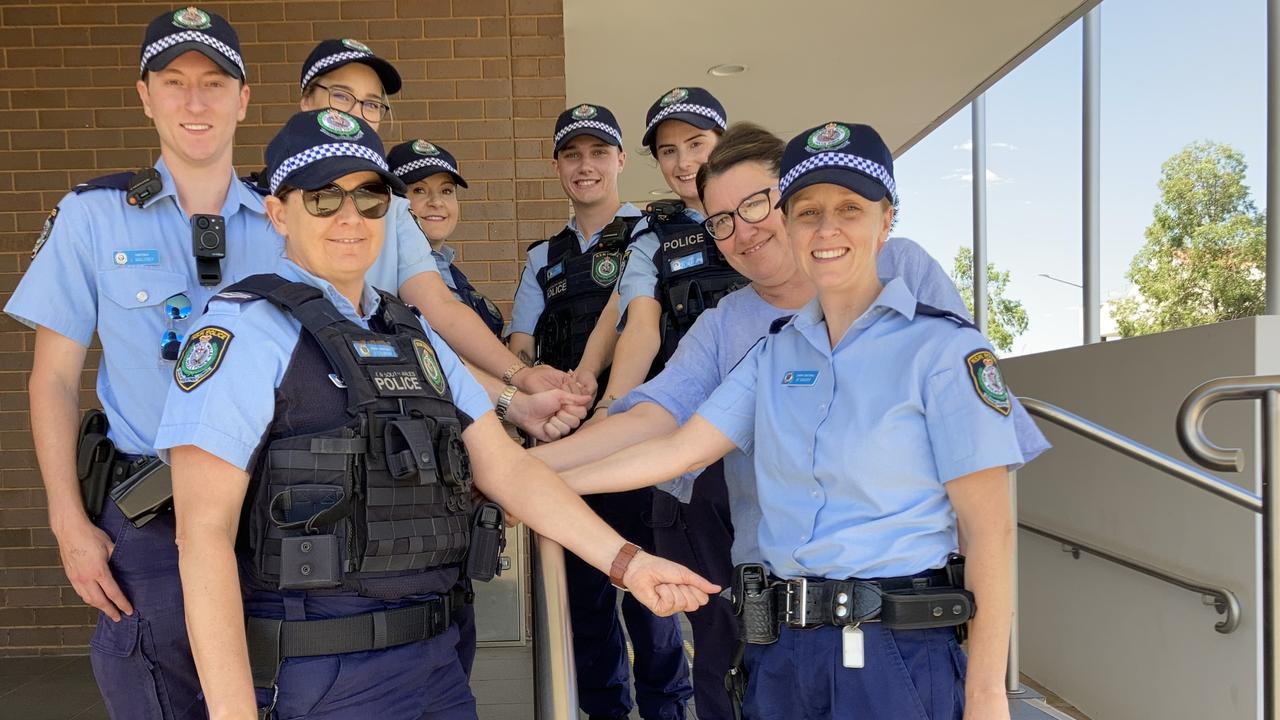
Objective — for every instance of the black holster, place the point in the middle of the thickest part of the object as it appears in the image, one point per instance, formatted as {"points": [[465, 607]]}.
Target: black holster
{"points": [[488, 540], [94, 456], [146, 493], [756, 605]]}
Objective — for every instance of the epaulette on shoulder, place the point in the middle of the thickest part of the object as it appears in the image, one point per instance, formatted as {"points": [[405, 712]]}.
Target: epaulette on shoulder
{"points": [[114, 181], [251, 182], [958, 319], [776, 326]]}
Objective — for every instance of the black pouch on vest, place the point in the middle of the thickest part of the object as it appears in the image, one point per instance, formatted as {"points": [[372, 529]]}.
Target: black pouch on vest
{"points": [[488, 538], [755, 604], [409, 452], [309, 562], [94, 455], [926, 608]]}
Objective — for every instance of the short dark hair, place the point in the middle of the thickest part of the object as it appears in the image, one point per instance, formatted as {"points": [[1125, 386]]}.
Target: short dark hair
{"points": [[742, 142]]}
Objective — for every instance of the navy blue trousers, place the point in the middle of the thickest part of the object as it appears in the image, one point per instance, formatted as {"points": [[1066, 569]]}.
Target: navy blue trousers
{"points": [[417, 681], [699, 535], [600, 653], [908, 675], [143, 663]]}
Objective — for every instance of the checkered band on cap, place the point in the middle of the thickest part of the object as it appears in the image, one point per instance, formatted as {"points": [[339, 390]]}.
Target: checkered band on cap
{"points": [[420, 163], [325, 62], [169, 41], [702, 110], [580, 124], [832, 159], [321, 152]]}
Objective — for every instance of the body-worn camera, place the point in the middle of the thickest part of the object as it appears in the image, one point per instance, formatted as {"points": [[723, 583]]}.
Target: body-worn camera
{"points": [[209, 245]]}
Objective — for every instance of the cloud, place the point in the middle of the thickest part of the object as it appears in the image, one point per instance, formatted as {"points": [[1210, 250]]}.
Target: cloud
{"points": [[966, 175], [967, 146]]}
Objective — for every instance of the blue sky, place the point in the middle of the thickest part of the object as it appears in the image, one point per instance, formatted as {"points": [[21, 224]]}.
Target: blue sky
{"points": [[1173, 72]]}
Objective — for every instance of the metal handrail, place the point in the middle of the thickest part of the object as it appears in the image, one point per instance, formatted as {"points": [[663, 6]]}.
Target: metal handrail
{"points": [[1265, 388], [555, 681], [1143, 454], [1224, 600]]}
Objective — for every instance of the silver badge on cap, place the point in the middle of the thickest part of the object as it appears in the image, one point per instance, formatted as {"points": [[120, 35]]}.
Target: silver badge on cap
{"points": [[356, 45], [191, 18], [583, 112], [422, 147], [828, 137], [339, 125], [676, 95]]}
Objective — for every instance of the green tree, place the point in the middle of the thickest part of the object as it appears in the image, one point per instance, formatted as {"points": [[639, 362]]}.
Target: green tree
{"points": [[1205, 248], [1006, 318]]}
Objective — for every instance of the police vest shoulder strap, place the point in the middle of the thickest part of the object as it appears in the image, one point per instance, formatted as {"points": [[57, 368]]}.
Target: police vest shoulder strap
{"points": [[958, 319], [776, 326], [398, 316], [560, 245], [617, 234]]}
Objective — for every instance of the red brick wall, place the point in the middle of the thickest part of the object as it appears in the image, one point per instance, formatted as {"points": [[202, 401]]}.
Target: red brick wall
{"points": [[484, 78]]}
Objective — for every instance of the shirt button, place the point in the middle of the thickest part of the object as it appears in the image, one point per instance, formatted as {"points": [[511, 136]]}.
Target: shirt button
{"points": [[814, 493], [142, 296]]}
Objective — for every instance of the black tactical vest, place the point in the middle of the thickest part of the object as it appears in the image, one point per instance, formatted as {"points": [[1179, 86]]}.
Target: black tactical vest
{"points": [[363, 484], [575, 287], [692, 274], [476, 300]]}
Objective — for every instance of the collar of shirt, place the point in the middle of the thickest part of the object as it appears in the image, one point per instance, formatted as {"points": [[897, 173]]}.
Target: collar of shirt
{"points": [[445, 254], [289, 270], [627, 210], [237, 194], [895, 296]]}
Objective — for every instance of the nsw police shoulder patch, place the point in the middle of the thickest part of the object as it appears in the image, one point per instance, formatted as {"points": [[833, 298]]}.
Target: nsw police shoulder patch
{"points": [[45, 231], [201, 357], [430, 366], [988, 382]]}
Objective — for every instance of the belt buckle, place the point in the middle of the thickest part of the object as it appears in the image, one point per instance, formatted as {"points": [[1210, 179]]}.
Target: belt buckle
{"points": [[792, 594]]}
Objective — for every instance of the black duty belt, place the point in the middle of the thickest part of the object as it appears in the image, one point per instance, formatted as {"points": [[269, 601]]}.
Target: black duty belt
{"points": [[271, 641], [899, 601]]}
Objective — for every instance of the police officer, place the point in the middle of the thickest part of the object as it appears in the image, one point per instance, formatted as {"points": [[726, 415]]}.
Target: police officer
{"points": [[562, 308], [117, 257], [324, 439], [671, 273], [881, 432], [431, 177], [345, 74]]}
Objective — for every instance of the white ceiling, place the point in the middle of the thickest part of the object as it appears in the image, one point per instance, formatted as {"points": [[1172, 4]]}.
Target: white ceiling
{"points": [[902, 66]]}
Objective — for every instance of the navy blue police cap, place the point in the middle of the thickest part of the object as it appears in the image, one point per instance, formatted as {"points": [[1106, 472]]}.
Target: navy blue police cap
{"points": [[845, 154], [693, 105], [316, 147], [330, 55], [418, 159], [190, 28], [586, 119]]}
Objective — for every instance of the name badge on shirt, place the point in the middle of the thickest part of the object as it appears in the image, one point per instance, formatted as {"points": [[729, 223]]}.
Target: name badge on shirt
{"points": [[691, 260], [137, 257], [800, 377], [374, 349]]}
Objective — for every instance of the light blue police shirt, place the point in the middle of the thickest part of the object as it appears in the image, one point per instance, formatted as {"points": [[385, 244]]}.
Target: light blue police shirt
{"points": [[229, 412], [406, 251], [444, 257], [529, 302], [109, 267], [853, 446], [640, 276], [721, 336]]}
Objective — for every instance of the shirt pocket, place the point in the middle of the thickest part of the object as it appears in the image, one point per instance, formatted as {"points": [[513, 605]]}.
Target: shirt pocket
{"points": [[133, 319]]}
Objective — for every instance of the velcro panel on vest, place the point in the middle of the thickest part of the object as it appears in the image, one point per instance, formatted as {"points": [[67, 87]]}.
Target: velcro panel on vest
{"points": [[299, 482]]}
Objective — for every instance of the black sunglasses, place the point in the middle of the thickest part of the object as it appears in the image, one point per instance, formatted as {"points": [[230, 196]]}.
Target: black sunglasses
{"points": [[372, 200]]}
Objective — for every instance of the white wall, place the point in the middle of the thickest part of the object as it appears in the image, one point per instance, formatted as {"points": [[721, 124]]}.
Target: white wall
{"points": [[1115, 643]]}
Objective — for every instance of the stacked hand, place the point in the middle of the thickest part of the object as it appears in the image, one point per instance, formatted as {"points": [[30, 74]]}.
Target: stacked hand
{"points": [[665, 587], [548, 415], [537, 378]]}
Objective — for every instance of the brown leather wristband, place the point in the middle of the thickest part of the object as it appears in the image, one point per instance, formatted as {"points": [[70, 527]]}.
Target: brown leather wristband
{"points": [[621, 563]]}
